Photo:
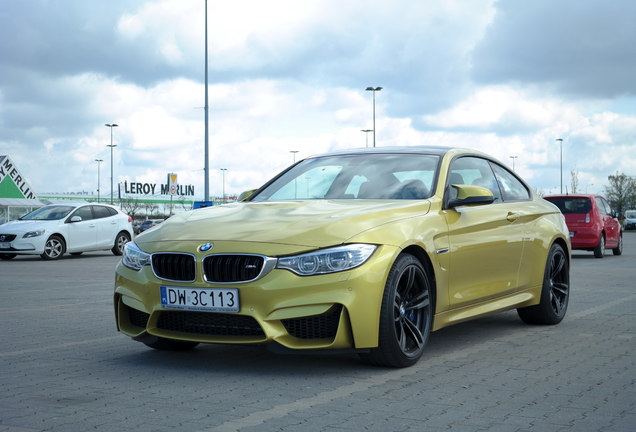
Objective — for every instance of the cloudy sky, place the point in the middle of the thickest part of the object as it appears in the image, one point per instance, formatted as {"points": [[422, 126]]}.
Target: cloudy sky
{"points": [[506, 77]]}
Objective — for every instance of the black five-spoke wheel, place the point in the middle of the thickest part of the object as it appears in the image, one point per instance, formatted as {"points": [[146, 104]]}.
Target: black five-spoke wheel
{"points": [[406, 316]]}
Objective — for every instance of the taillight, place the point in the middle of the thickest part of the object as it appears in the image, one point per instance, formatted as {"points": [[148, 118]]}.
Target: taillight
{"points": [[129, 219]]}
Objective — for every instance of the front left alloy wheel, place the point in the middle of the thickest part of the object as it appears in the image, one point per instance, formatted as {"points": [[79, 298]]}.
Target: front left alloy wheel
{"points": [[54, 248], [406, 315]]}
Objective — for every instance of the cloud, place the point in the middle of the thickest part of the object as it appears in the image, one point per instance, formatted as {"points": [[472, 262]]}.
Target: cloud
{"points": [[581, 48], [505, 77]]}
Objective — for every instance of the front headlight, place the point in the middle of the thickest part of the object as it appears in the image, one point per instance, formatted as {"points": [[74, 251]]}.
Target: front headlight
{"points": [[134, 258], [325, 261], [35, 233]]}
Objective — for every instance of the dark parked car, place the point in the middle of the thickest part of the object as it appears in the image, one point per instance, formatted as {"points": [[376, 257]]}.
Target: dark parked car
{"points": [[149, 223], [592, 223]]}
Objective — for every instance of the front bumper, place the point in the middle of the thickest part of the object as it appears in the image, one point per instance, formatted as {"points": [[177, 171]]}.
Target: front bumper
{"points": [[334, 311], [21, 246]]}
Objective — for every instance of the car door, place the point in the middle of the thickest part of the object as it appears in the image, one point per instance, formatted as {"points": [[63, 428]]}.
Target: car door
{"points": [[610, 224], [486, 241], [107, 225], [81, 235]]}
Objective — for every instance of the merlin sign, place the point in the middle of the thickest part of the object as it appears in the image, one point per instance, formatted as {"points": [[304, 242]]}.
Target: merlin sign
{"points": [[12, 183], [170, 188]]}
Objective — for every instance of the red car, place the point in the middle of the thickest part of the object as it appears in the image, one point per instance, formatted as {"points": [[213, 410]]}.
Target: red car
{"points": [[592, 223]]}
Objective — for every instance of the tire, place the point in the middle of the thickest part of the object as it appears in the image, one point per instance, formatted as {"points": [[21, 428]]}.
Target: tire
{"points": [[7, 257], [120, 241], [164, 344], [618, 250], [555, 293], [599, 250], [406, 315], [54, 248]]}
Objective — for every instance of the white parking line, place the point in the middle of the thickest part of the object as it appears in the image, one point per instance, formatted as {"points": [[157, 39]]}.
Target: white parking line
{"points": [[58, 346]]}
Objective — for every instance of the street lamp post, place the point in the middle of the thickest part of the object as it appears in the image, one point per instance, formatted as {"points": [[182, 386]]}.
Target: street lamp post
{"points": [[366, 135], [373, 89], [206, 165], [111, 126], [293, 152], [99, 161], [513, 161], [223, 172], [560, 140]]}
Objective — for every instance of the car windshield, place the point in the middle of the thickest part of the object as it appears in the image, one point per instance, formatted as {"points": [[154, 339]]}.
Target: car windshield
{"points": [[631, 214], [48, 213], [572, 205], [361, 176]]}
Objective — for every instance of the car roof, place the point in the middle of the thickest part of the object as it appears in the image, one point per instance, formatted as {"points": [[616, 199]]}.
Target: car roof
{"points": [[76, 204], [573, 196], [435, 150]]}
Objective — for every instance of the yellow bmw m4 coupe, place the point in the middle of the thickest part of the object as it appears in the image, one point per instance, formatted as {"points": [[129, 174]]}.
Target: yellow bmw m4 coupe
{"points": [[365, 250]]}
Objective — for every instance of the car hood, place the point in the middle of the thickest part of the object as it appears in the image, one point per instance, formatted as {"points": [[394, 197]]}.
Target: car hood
{"points": [[20, 226], [315, 224]]}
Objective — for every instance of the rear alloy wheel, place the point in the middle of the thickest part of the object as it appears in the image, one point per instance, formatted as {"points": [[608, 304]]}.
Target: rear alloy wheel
{"points": [[164, 344], [120, 241], [555, 293], [54, 248], [599, 250], [618, 250], [406, 316]]}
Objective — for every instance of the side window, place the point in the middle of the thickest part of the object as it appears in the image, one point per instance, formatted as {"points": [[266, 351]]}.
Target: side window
{"points": [[473, 171], [606, 206], [601, 205], [511, 188], [84, 212], [101, 212]]}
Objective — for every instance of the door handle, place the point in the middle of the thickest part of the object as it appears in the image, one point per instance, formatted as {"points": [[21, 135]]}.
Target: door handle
{"points": [[511, 217]]}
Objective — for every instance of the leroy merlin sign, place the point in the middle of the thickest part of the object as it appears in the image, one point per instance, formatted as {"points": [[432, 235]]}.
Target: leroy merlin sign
{"points": [[170, 188], [12, 183]]}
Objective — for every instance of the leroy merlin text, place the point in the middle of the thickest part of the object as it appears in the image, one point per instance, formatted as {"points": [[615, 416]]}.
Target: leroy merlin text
{"points": [[134, 188]]}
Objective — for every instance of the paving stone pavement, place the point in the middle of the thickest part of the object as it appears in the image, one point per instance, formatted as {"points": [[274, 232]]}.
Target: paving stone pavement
{"points": [[63, 367]]}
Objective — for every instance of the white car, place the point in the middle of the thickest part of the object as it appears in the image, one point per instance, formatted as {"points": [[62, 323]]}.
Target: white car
{"points": [[55, 229]]}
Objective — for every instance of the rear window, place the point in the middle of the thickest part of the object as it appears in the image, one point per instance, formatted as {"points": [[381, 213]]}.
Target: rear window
{"points": [[572, 205]]}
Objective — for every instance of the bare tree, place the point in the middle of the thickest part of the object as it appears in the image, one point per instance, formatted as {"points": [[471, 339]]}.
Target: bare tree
{"points": [[150, 208], [131, 206], [575, 181], [186, 205]]}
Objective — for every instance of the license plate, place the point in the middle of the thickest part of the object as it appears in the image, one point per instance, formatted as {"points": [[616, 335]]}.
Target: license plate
{"points": [[5, 245], [200, 299]]}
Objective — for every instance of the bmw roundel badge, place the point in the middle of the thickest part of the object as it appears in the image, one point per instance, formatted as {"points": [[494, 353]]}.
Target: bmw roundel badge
{"points": [[206, 247]]}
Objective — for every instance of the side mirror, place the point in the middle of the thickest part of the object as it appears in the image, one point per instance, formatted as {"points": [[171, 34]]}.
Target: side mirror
{"points": [[245, 195], [471, 195], [76, 219]]}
